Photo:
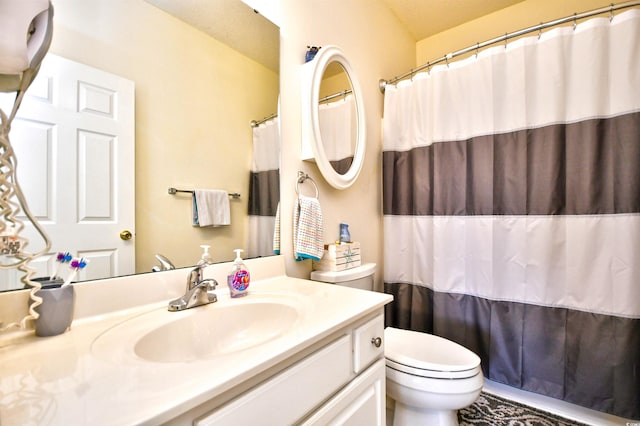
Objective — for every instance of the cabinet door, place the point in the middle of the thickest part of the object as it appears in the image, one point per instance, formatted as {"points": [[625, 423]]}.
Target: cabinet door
{"points": [[367, 343], [361, 402], [291, 394]]}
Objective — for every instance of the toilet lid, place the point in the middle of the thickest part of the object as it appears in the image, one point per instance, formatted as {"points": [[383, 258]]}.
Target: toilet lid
{"points": [[427, 352]]}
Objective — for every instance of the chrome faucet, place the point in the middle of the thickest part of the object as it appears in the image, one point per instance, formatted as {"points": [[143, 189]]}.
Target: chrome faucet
{"points": [[165, 264], [197, 293]]}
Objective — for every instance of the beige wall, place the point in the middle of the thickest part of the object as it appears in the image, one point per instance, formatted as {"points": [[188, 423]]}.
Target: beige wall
{"points": [[377, 46], [521, 15], [195, 98]]}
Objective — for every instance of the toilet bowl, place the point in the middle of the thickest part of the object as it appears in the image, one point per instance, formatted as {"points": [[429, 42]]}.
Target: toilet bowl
{"points": [[428, 378]]}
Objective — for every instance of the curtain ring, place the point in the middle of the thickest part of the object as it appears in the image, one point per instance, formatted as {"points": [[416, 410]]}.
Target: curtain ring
{"points": [[611, 12], [506, 39], [477, 48], [447, 57], [428, 68], [540, 30], [575, 21]]}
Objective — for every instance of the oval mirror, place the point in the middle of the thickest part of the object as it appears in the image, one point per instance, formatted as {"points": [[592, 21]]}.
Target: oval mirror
{"points": [[337, 118], [333, 117]]}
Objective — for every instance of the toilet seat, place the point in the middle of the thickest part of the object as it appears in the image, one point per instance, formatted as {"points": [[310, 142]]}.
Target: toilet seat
{"points": [[426, 355], [432, 374]]}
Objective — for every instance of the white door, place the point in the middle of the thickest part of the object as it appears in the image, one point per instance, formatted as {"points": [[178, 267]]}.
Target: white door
{"points": [[74, 140]]}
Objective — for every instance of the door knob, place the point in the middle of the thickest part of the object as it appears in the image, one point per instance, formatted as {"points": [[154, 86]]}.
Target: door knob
{"points": [[126, 235], [376, 341]]}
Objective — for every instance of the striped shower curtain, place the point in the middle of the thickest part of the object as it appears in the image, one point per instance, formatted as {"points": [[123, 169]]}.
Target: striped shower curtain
{"points": [[512, 210], [264, 189], [337, 127]]}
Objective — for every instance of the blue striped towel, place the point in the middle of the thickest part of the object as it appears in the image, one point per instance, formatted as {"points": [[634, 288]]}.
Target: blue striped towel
{"points": [[307, 229]]}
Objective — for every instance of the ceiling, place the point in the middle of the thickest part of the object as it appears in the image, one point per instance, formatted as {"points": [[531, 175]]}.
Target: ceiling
{"points": [[424, 18], [231, 22], [237, 25]]}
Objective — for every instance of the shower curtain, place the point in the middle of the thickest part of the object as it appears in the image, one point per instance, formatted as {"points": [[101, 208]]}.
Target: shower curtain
{"points": [[337, 127], [511, 200], [264, 188]]}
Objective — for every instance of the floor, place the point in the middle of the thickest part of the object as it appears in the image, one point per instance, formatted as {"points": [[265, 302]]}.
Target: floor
{"points": [[554, 406], [492, 410], [573, 414]]}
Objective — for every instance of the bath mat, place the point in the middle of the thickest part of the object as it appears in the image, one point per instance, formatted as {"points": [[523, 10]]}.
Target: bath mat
{"points": [[492, 410]]}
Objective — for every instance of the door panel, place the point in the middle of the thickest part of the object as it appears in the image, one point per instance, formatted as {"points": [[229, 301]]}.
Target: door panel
{"points": [[74, 139]]}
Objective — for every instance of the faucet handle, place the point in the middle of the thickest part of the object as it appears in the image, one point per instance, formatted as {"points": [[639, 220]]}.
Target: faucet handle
{"points": [[193, 278], [210, 283]]}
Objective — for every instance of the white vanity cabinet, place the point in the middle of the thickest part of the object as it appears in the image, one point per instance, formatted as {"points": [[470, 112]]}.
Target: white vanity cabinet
{"points": [[312, 355], [342, 382]]}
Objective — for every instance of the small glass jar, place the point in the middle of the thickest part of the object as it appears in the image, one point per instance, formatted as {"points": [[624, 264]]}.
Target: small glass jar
{"points": [[345, 237]]}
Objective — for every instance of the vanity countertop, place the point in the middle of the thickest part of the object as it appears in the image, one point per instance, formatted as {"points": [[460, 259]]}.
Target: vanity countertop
{"points": [[68, 379]]}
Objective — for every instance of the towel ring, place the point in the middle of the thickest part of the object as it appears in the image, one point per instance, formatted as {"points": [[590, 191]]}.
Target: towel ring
{"points": [[302, 176]]}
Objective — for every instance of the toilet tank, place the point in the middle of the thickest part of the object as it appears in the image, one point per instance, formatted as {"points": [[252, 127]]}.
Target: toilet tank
{"points": [[359, 277]]}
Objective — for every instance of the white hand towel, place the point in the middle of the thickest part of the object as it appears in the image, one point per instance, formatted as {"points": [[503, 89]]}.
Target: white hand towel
{"points": [[307, 229], [211, 207]]}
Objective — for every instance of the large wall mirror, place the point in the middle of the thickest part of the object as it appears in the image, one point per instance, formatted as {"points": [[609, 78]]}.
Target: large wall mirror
{"points": [[333, 117], [202, 71]]}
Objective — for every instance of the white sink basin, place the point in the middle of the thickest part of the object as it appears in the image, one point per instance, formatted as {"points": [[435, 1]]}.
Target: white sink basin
{"points": [[205, 332], [212, 332]]}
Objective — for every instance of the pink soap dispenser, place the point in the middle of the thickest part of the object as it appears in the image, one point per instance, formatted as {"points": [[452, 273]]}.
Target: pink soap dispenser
{"points": [[238, 278]]}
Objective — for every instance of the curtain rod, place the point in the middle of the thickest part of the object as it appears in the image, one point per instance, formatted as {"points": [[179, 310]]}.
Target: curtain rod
{"points": [[335, 95], [573, 18], [256, 123]]}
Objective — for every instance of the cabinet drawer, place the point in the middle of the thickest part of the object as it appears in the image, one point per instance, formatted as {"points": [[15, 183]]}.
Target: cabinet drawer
{"points": [[291, 394], [368, 344]]}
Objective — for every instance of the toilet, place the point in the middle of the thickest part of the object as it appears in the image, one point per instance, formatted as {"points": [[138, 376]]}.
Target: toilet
{"points": [[428, 378]]}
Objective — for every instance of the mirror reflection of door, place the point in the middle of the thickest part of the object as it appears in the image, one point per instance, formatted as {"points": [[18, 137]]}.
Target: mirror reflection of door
{"points": [[74, 138], [337, 117]]}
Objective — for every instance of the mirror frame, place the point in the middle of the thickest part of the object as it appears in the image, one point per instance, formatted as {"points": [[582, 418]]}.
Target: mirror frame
{"points": [[312, 73]]}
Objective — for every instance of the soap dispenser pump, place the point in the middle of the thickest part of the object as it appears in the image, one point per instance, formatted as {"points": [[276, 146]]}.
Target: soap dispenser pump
{"points": [[206, 257], [238, 278]]}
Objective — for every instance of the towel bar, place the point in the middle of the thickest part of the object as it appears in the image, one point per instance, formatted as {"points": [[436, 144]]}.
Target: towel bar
{"points": [[302, 176], [173, 191]]}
